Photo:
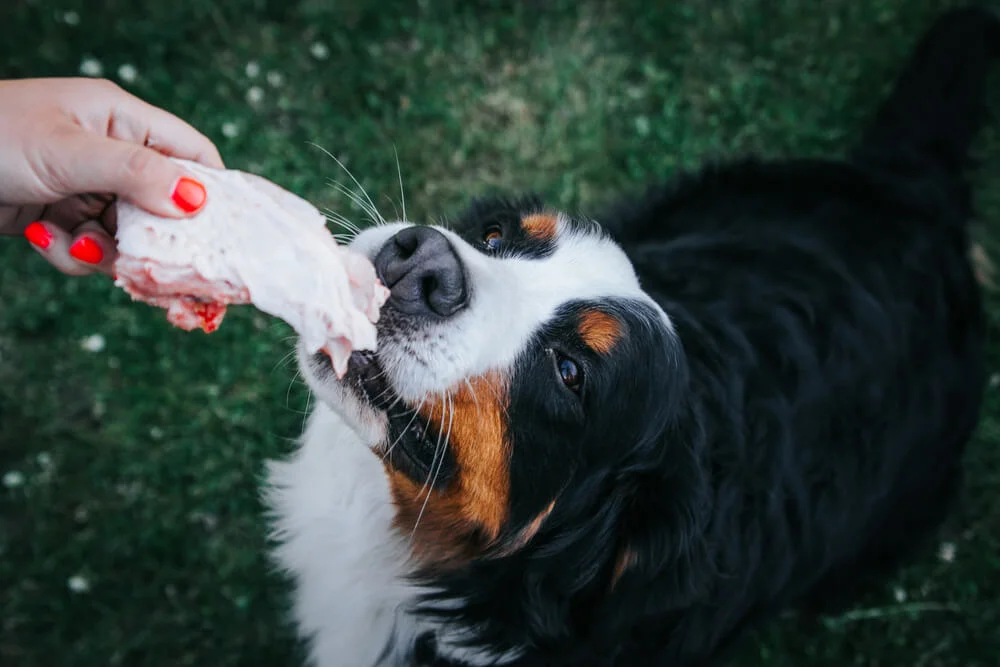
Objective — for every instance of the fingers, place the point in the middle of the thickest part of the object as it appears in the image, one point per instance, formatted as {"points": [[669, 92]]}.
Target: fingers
{"points": [[163, 132], [87, 250], [104, 108], [93, 247], [72, 212], [137, 174]]}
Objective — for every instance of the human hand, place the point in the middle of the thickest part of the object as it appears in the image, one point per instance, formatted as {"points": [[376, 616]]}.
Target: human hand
{"points": [[70, 147]]}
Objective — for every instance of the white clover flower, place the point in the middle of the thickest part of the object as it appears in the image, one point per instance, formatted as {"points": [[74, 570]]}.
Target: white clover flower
{"points": [[13, 479], [275, 79], [44, 460], [946, 552], [91, 67], [71, 18], [255, 95], [93, 343], [230, 130], [319, 50], [156, 433], [899, 594], [252, 69], [128, 73], [78, 583]]}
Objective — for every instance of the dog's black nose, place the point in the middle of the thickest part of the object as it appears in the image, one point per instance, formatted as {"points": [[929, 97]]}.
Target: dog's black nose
{"points": [[423, 272]]}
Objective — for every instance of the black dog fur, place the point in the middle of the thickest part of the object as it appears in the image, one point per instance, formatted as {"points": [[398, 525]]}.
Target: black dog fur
{"points": [[810, 428]]}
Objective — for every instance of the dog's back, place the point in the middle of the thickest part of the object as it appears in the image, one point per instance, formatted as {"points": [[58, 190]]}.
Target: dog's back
{"points": [[834, 331]]}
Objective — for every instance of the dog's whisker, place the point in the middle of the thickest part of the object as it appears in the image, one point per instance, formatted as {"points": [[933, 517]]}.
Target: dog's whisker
{"points": [[370, 211], [351, 176], [497, 396], [395, 210], [305, 413], [291, 383], [340, 219], [353, 197], [416, 413], [348, 228], [439, 461], [472, 392], [430, 419], [396, 401], [399, 173], [285, 359]]}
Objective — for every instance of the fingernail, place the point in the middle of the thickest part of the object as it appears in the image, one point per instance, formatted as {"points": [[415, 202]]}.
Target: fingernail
{"points": [[86, 250], [38, 235], [189, 195]]}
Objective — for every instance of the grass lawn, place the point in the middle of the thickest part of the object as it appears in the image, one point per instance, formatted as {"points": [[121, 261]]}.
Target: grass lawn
{"points": [[130, 531]]}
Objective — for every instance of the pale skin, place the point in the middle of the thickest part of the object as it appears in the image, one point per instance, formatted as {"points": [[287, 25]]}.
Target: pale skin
{"points": [[71, 147]]}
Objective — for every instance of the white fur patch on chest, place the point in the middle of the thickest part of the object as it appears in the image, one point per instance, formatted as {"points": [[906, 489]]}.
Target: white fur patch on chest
{"points": [[332, 521]]}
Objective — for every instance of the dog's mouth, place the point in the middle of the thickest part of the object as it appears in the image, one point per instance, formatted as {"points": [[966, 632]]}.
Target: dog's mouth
{"points": [[413, 445], [368, 380]]}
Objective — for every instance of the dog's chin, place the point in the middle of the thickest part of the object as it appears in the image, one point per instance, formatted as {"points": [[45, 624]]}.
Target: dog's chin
{"points": [[343, 395], [365, 399]]}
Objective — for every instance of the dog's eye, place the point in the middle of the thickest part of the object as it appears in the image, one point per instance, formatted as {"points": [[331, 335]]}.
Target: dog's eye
{"points": [[492, 238], [570, 373]]}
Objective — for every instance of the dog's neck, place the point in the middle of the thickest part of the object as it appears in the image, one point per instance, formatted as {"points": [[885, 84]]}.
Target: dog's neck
{"points": [[333, 521]]}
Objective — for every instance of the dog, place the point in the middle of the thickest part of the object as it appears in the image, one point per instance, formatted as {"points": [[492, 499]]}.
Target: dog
{"points": [[626, 440]]}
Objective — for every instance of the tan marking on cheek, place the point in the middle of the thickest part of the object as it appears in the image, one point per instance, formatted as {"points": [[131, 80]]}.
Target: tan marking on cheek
{"points": [[462, 519], [599, 331], [541, 226], [441, 537]]}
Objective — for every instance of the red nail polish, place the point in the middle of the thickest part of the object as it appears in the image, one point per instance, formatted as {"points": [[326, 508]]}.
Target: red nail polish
{"points": [[38, 235], [189, 195], [86, 250]]}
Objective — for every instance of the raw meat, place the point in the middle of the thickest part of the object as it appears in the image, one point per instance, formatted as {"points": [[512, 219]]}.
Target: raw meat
{"points": [[252, 243]]}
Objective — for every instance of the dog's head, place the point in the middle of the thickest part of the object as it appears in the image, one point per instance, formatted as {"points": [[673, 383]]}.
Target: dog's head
{"points": [[521, 374]]}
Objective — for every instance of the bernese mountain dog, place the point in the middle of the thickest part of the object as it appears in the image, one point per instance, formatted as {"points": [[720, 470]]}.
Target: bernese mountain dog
{"points": [[623, 440]]}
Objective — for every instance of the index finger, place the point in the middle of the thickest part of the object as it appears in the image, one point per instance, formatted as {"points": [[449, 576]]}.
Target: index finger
{"points": [[163, 132]]}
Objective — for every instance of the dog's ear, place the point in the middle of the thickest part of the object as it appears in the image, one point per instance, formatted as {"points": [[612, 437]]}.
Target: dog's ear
{"points": [[662, 543], [642, 551], [663, 547]]}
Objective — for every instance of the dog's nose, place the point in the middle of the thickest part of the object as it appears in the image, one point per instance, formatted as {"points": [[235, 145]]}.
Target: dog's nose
{"points": [[421, 269]]}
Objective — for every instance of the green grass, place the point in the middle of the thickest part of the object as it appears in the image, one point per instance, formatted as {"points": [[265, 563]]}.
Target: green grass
{"points": [[140, 461]]}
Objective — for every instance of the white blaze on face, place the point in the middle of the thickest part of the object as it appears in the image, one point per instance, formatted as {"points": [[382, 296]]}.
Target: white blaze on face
{"points": [[510, 297]]}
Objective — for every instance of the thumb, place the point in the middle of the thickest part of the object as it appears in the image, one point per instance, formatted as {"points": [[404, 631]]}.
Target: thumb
{"points": [[133, 172]]}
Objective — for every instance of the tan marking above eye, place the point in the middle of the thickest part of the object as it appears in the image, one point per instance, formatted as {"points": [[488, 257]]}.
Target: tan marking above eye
{"points": [[599, 331], [466, 517], [541, 226]]}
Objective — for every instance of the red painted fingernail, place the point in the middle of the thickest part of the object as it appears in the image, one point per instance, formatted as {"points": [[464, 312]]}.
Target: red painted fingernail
{"points": [[86, 250], [38, 235], [189, 195]]}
